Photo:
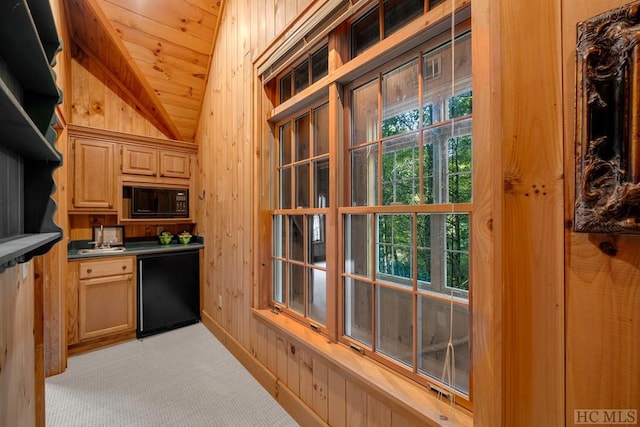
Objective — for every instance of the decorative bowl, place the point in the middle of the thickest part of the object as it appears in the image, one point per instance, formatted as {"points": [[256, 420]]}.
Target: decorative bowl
{"points": [[165, 239], [184, 239]]}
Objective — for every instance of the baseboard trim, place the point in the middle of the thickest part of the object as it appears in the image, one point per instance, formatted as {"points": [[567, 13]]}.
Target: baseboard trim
{"points": [[302, 413]]}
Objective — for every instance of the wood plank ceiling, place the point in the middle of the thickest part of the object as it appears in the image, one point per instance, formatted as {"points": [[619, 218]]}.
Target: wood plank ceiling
{"points": [[158, 51]]}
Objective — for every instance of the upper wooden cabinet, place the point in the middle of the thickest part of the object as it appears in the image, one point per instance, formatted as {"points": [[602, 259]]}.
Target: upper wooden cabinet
{"points": [[105, 163], [175, 165], [93, 174], [139, 160]]}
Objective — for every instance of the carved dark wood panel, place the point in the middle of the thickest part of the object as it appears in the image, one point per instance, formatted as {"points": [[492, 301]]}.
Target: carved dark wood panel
{"points": [[608, 122]]}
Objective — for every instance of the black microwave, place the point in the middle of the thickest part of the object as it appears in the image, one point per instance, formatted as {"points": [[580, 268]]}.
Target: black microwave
{"points": [[151, 202]]}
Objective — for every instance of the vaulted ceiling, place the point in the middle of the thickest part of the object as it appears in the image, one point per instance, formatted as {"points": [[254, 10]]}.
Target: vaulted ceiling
{"points": [[158, 50]]}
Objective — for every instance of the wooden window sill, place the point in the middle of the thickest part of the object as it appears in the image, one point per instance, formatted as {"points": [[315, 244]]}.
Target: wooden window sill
{"points": [[396, 389]]}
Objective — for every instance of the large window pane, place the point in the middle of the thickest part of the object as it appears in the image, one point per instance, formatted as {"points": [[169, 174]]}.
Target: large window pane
{"points": [[434, 330], [365, 31], [424, 250], [443, 253], [285, 188], [285, 87], [301, 77], [317, 254], [395, 324], [365, 113], [319, 64], [278, 230], [285, 144], [321, 183], [321, 130], [395, 247], [358, 305], [296, 237], [364, 176], [400, 100], [436, 85], [430, 193], [401, 170], [442, 99], [459, 168], [448, 163], [302, 186], [296, 288], [278, 281], [302, 138], [458, 251], [316, 295], [357, 245], [398, 12]]}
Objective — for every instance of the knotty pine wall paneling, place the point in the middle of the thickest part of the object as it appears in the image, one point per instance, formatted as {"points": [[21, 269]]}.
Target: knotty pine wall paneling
{"points": [[602, 291], [19, 394], [530, 230], [98, 101]]}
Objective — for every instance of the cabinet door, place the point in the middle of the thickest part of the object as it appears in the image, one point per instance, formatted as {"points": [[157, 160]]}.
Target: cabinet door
{"points": [[93, 174], [139, 160], [106, 306], [174, 164]]}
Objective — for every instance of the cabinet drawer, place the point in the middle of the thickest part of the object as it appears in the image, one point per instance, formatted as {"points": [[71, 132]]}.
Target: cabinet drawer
{"points": [[108, 267]]}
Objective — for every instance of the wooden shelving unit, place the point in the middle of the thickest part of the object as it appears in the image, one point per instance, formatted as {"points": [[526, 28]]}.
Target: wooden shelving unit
{"points": [[28, 157]]}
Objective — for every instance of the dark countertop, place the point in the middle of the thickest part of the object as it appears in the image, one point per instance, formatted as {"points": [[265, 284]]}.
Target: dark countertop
{"points": [[133, 248]]}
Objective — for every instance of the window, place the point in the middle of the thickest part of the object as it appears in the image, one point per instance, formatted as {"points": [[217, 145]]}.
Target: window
{"points": [[405, 279], [299, 252], [393, 14], [307, 72], [385, 269]]}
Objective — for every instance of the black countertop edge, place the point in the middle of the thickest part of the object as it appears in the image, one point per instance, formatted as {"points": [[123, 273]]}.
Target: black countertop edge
{"points": [[135, 247]]}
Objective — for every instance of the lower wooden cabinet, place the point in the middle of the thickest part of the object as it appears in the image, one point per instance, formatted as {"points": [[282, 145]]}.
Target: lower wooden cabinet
{"points": [[101, 300], [106, 306]]}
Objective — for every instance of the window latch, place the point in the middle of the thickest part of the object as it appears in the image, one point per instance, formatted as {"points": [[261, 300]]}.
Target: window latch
{"points": [[356, 348]]}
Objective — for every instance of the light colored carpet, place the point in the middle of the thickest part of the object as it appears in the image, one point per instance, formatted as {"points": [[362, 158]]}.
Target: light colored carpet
{"points": [[184, 377]]}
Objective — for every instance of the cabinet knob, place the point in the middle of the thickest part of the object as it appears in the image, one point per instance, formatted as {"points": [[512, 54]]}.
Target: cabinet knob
{"points": [[89, 270], [124, 267]]}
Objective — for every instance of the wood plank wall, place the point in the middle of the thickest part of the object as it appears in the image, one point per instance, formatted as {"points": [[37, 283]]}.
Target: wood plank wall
{"points": [[528, 202], [98, 101], [602, 291], [19, 395], [228, 160]]}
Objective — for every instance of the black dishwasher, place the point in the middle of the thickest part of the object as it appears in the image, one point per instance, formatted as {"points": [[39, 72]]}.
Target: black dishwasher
{"points": [[168, 291]]}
